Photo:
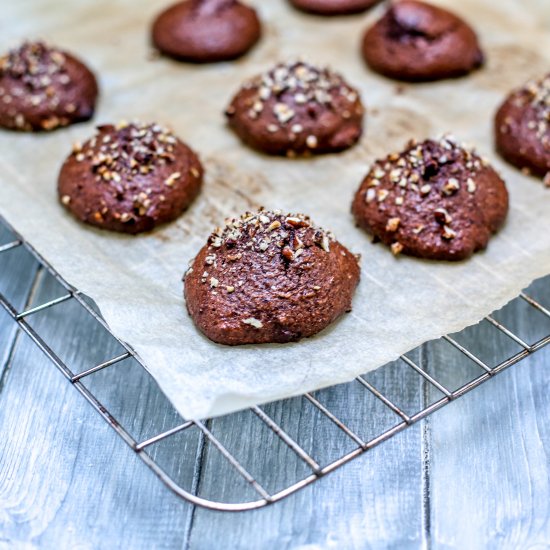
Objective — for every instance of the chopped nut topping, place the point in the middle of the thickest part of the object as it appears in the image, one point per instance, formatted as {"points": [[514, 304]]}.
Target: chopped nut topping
{"points": [[451, 186], [396, 248], [448, 234], [234, 257], [395, 175], [65, 199], [126, 150], [425, 189], [283, 112], [297, 222], [267, 231], [172, 178], [47, 124], [393, 225], [256, 323], [117, 154], [293, 85], [38, 67], [538, 95], [311, 142], [288, 254], [423, 167], [382, 195], [442, 216]]}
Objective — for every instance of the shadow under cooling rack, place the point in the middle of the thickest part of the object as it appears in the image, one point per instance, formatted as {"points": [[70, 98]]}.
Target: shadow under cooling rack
{"points": [[203, 460]]}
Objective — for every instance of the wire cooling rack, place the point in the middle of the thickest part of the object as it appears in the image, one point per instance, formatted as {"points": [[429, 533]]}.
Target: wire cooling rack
{"points": [[204, 437]]}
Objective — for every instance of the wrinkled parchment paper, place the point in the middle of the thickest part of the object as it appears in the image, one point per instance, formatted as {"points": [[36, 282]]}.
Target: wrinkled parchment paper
{"points": [[136, 282]]}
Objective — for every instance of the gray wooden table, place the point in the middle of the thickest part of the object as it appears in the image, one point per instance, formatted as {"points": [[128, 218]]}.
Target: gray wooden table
{"points": [[473, 475]]}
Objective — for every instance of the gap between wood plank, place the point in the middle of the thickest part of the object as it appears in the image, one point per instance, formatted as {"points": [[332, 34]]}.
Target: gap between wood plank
{"points": [[195, 486], [13, 346], [425, 445]]}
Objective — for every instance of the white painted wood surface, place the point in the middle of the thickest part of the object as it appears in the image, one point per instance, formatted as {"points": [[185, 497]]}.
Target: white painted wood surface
{"points": [[475, 475]]}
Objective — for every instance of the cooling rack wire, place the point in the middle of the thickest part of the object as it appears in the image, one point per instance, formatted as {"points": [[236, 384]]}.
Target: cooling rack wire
{"points": [[204, 439]]}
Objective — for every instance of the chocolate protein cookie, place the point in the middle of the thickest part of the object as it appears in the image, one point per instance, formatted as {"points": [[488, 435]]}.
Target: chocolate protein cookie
{"points": [[334, 7], [415, 41], [522, 128], [296, 109], [129, 178], [437, 200], [269, 277], [205, 31], [43, 88]]}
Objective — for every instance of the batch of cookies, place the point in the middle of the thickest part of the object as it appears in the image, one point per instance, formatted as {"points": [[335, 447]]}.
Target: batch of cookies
{"points": [[269, 276]]}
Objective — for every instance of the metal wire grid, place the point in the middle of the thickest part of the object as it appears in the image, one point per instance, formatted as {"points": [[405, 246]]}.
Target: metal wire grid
{"points": [[265, 498]]}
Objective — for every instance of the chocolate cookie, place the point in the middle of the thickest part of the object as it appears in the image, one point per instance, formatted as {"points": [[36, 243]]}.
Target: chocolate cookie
{"points": [[205, 31], [129, 178], [334, 7], [43, 88], [269, 277], [437, 200], [522, 128], [297, 109], [415, 41]]}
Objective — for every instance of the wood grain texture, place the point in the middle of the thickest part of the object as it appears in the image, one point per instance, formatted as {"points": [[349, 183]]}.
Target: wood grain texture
{"points": [[15, 287], [490, 488], [376, 500], [66, 479]]}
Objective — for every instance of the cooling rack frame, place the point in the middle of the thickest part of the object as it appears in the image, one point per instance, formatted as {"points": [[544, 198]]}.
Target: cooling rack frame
{"points": [[317, 472]]}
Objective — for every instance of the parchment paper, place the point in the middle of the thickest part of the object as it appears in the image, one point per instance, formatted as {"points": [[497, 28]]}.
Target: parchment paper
{"points": [[136, 282]]}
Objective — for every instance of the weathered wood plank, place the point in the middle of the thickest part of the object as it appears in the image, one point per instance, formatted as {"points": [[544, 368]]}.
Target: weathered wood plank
{"points": [[66, 479], [490, 452], [377, 498], [20, 271]]}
